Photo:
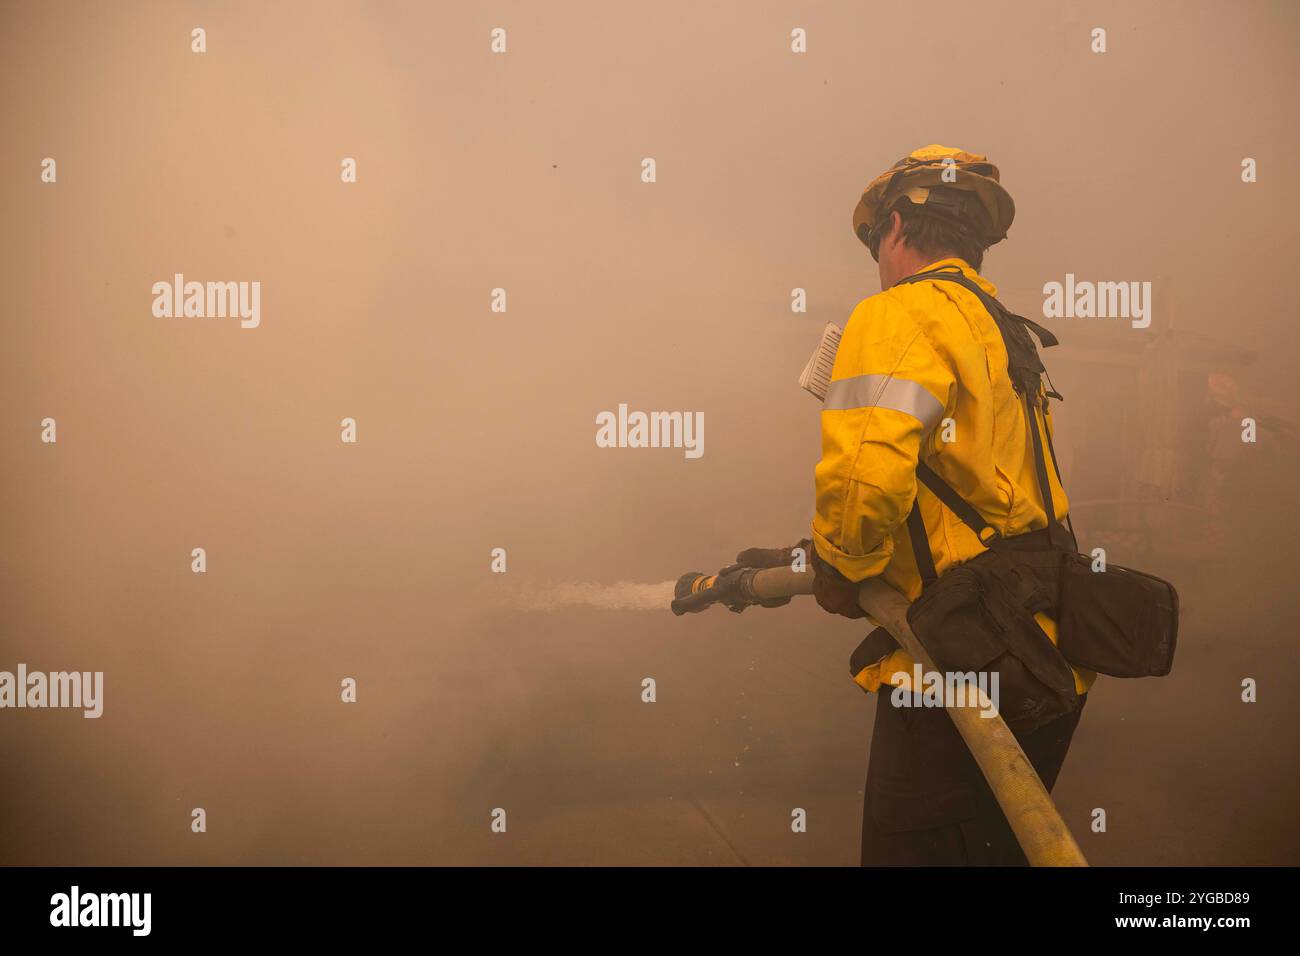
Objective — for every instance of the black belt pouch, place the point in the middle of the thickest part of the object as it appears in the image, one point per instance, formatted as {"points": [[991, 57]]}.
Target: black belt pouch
{"points": [[1117, 622], [978, 616]]}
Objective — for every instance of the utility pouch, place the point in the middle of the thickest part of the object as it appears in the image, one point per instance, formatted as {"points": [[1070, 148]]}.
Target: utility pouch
{"points": [[1117, 622], [978, 619]]}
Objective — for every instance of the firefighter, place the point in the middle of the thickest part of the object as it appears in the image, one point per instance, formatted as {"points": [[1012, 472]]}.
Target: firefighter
{"points": [[922, 380]]}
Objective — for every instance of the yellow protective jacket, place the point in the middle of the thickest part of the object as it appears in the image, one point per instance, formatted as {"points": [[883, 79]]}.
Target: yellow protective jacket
{"points": [[919, 363]]}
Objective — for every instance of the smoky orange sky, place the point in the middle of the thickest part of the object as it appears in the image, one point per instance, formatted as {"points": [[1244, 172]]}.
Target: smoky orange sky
{"points": [[476, 429]]}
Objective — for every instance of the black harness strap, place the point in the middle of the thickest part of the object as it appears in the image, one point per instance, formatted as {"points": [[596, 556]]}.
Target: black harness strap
{"points": [[995, 308], [1025, 369], [956, 503], [1056, 467], [1055, 531], [921, 545]]}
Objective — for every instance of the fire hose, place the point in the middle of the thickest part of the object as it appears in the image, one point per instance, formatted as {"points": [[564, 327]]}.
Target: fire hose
{"points": [[1037, 824]]}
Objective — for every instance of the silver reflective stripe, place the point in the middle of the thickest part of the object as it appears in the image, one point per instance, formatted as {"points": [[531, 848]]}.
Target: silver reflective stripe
{"points": [[884, 391]]}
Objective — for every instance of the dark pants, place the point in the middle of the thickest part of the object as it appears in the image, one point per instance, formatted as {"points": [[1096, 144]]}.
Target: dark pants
{"points": [[927, 803]]}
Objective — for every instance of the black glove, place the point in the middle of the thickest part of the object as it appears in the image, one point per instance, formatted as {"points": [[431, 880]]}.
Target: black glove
{"points": [[758, 558], [733, 585], [773, 557], [733, 588], [835, 592]]}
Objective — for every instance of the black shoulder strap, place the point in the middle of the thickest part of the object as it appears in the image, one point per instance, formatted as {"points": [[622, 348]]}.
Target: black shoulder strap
{"points": [[958, 505], [1055, 531], [1025, 369], [995, 308], [921, 545], [1023, 364]]}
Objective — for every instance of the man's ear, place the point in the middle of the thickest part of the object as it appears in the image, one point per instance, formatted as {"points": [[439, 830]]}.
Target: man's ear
{"points": [[895, 224]]}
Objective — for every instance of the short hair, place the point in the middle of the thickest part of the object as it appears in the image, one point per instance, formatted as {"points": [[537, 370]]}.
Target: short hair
{"points": [[938, 235]]}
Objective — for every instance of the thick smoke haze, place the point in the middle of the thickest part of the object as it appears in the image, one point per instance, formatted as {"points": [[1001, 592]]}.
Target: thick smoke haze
{"points": [[476, 429]]}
